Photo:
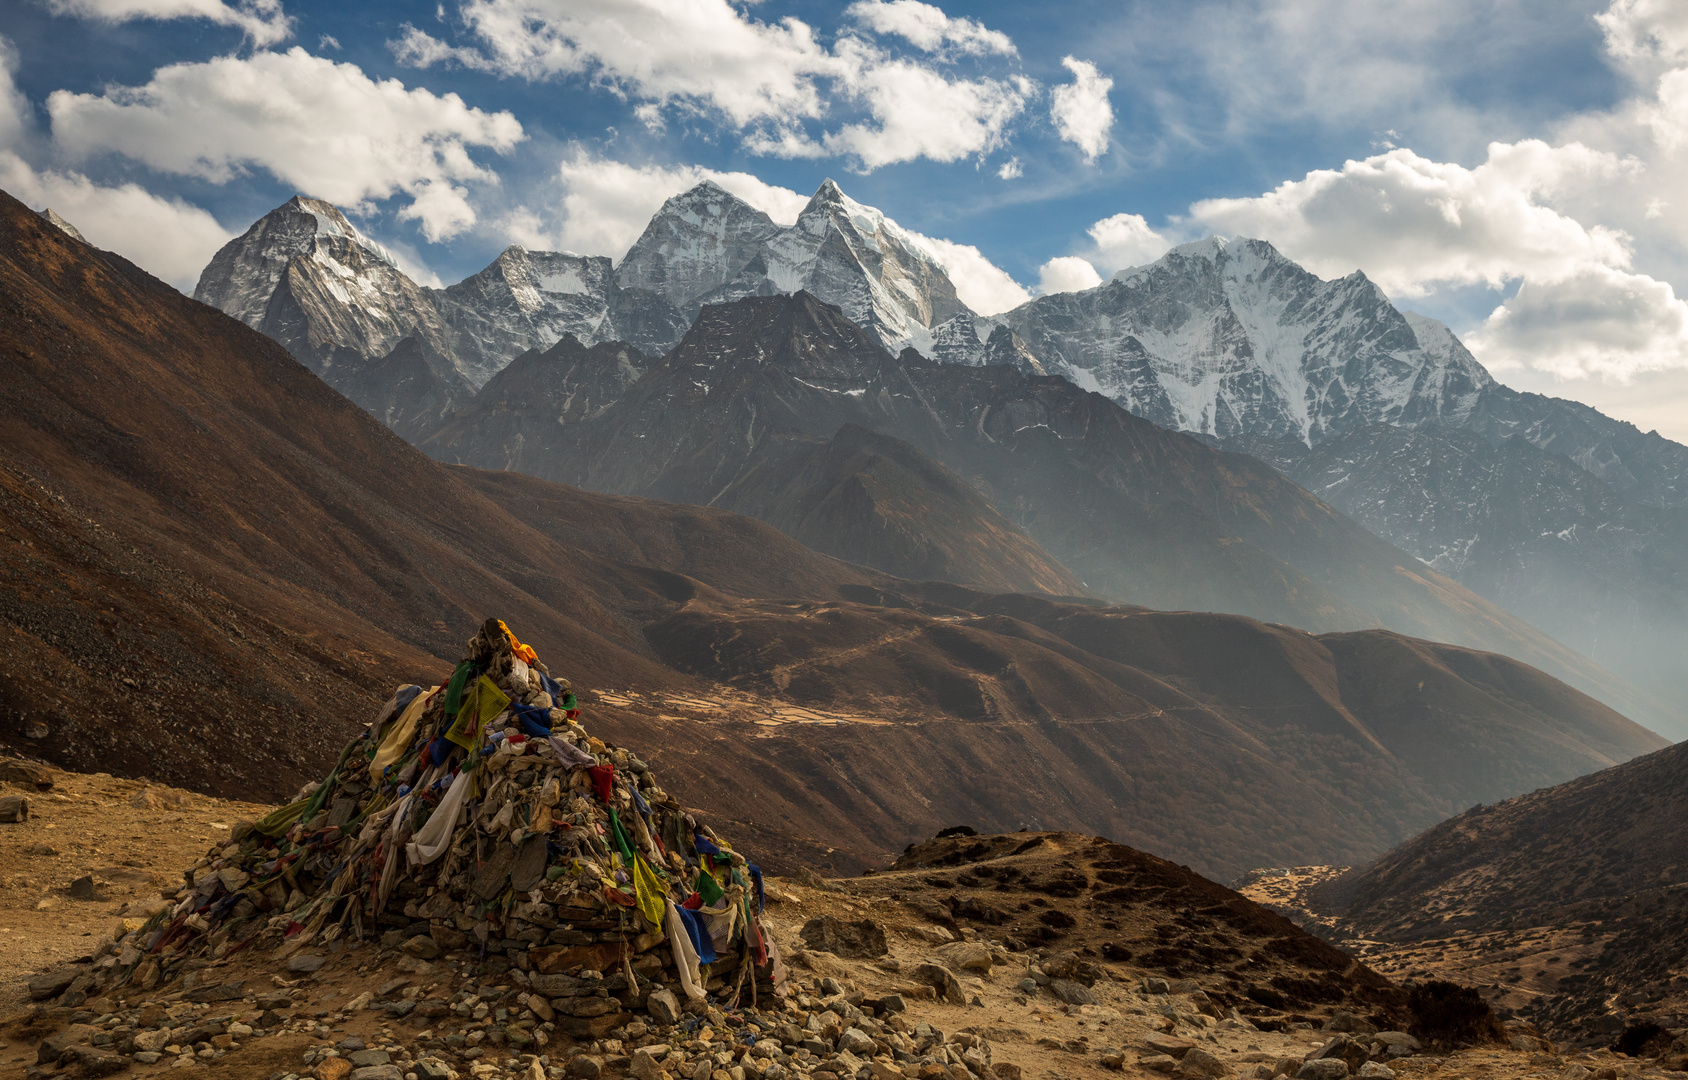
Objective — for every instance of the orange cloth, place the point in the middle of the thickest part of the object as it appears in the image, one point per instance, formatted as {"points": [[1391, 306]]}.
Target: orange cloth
{"points": [[524, 652]]}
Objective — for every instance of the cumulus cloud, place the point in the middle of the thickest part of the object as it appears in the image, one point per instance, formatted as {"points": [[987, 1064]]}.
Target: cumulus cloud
{"points": [[1115, 243], [1126, 240], [1067, 273], [918, 112], [766, 79], [1643, 33], [980, 283], [1080, 109], [927, 27], [1598, 321], [263, 21], [323, 127], [1011, 169]]}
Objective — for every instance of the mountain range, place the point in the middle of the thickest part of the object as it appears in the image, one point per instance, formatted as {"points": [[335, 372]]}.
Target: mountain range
{"points": [[1372, 409], [208, 550]]}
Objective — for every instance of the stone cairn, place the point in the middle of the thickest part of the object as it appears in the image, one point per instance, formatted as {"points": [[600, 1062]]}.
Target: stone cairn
{"points": [[479, 814]]}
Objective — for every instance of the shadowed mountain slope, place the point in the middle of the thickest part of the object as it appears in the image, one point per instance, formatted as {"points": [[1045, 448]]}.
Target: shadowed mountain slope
{"points": [[1527, 528], [1594, 871], [213, 566]]}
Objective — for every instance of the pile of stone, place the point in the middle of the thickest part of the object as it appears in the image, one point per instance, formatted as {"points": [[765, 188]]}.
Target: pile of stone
{"points": [[478, 815]]}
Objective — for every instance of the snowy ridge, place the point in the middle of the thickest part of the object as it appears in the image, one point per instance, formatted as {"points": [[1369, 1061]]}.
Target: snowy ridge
{"points": [[1229, 338]]}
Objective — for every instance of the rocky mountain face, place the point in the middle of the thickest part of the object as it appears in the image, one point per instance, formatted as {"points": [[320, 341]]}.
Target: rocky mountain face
{"points": [[738, 413], [1601, 571], [1230, 340], [306, 277]]}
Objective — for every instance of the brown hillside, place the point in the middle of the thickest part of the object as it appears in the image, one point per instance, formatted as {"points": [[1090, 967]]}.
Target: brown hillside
{"points": [[1574, 897]]}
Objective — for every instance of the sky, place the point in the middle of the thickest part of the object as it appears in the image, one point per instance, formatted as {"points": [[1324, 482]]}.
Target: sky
{"points": [[1512, 167]]}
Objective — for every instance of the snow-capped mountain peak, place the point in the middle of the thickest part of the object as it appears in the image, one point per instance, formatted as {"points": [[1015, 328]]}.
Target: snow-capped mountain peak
{"points": [[1227, 337]]}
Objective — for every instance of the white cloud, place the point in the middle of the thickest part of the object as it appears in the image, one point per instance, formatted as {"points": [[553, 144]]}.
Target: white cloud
{"points": [[920, 113], [1081, 110], [1126, 240], [1667, 115], [323, 127], [1413, 224], [1011, 169], [927, 27], [1643, 33], [766, 79], [1115, 243], [656, 50], [606, 204], [980, 283], [263, 21], [1597, 321], [1067, 273]]}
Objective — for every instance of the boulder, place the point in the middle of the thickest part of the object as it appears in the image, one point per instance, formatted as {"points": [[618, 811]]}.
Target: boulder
{"points": [[55, 982], [1170, 1045], [966, 956], [1199, 1063], [13, 809], [1346, 1022], [941, 979], [861, 940], [1071, 992]]}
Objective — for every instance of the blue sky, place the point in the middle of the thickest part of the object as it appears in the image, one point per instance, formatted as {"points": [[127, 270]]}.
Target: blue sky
{"points": [[1510, 167]]}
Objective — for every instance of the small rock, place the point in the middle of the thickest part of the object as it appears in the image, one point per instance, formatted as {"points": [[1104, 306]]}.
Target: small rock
{"points": [[1071, 992], [377, 1072], [1346, 1022], [83, 889], [1156, 986], [362, 1058], [663, 1006], [809, 879], [334, 1068], [1323, 1069], [587, 1068], [422, 947], [1377, 1069], [305, 963], [1161, 1063], [856, 1041], [14, 809]]}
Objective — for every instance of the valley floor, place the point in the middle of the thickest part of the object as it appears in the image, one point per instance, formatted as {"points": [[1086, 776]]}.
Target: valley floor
{"points": [[132, 839]]}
